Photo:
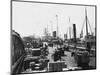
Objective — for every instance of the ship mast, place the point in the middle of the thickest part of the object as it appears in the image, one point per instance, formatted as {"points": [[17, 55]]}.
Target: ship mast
{"points": [[57, 25], [69, 29], [86, 22]]}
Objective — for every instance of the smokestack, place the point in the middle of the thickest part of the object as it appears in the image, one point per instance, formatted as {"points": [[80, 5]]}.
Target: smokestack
{"points": [[74, 32], [54, 34]]}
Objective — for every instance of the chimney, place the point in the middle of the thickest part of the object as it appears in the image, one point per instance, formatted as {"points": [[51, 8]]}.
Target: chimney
{"points": [[74, 32]]}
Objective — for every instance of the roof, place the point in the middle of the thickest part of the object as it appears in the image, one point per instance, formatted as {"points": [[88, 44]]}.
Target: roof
{"points": [[15, 33]]}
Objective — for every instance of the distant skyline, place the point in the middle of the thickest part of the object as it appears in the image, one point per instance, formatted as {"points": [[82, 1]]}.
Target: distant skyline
{"points": [[32, 18]]}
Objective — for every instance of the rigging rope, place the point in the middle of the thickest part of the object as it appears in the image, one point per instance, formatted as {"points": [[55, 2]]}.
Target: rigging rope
{"points": [[89, 25], [81, 35]]}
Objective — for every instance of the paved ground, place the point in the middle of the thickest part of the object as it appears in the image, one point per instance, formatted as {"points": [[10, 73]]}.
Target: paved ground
{"points": [[69, 60], [51, 51]]}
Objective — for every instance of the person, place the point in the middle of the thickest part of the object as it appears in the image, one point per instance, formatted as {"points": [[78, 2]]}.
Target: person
{"points": [[88, 47], [57, 55]]}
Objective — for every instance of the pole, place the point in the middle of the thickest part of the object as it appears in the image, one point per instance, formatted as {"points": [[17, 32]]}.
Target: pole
{"points": [[86, 22], [57, 25], [70, 32], [51, 27]]}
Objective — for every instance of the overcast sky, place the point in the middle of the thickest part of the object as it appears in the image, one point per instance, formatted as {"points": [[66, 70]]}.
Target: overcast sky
{"points": [[31, 18]]}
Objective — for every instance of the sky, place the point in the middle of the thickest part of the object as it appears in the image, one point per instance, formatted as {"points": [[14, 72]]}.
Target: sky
{"points": [[31, 18]]}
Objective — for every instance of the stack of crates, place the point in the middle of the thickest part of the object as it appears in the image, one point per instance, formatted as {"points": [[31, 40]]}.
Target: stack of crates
{"points": [[56, 66]]}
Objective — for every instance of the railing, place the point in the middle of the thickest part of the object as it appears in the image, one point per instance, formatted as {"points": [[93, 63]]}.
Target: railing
{"points": [[15, 68]]}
